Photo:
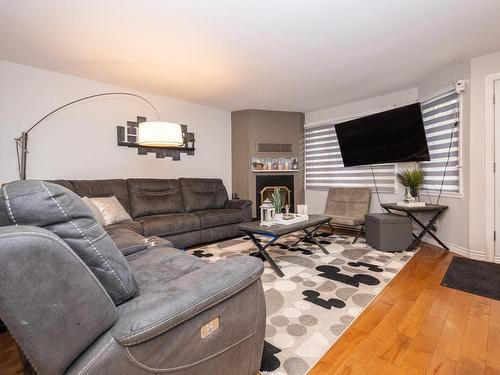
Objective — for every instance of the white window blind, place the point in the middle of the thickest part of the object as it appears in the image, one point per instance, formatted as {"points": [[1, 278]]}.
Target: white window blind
{"points": [[442, 127], [325, 168]]}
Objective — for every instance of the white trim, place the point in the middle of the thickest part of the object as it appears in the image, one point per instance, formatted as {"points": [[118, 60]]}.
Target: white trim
{"points": [[460, 250], [497, 259], [477, 255], [489, 183]]}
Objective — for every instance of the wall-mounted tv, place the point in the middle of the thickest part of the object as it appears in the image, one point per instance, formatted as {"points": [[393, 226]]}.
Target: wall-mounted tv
{"points": [[392, 136]]}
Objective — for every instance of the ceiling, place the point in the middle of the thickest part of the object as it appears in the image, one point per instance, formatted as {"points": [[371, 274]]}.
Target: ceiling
{"points": [[239, 54]]}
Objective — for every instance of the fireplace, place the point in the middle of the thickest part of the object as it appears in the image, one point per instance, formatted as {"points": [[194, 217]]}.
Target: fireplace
{"points": [[265, 186]]}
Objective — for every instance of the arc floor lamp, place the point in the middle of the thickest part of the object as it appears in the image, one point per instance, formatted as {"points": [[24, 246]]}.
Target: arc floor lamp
{"points": [[151, 133]]}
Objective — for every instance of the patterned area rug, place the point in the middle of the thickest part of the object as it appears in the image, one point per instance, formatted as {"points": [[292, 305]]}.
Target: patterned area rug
{"points": [[319, 297]]}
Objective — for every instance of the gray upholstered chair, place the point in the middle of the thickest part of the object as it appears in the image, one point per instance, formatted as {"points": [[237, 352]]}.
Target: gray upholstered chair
{"points": [[348, 207], [76, 305]]}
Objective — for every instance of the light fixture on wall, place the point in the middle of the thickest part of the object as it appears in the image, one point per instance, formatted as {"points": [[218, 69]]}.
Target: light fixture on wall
{"points": [[159, 134], [152, 133]]}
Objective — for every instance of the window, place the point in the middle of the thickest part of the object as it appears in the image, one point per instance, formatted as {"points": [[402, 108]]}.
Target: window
{"points": [[442, 127], [325, 169]]}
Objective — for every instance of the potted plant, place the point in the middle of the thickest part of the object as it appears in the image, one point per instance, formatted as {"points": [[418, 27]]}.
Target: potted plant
{"points": [[412, 179], [277, 200]]}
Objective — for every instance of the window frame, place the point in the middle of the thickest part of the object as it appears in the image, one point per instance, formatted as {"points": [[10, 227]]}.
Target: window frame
{"points": [[460, 193]]}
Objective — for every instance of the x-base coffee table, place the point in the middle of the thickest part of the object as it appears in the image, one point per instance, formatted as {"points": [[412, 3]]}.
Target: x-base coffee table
{"points": [[278, 230]]}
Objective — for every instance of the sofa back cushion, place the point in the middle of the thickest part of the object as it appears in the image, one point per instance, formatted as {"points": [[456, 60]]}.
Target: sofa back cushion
{"points": [[59, 210], [102, 189], [149, 196], [203, 193], [66, 183]]}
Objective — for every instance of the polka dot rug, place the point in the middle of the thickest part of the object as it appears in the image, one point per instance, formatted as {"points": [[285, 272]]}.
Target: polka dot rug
{"points": [[318, 298]]}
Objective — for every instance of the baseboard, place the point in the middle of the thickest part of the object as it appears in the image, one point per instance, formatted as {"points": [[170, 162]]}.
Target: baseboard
{"points": [[456, 249], [497, 259]]}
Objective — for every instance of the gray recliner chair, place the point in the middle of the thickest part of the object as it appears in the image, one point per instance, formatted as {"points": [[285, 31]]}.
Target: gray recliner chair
{"points": [[348, 207], [76, 305]]}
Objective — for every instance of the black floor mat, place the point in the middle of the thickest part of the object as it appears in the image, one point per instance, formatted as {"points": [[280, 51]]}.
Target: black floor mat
{"points": [[473, 276]]}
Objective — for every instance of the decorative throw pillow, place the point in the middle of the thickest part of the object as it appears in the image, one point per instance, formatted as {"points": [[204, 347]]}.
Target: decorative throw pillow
{"points": [[111, 210], [94, 209]]}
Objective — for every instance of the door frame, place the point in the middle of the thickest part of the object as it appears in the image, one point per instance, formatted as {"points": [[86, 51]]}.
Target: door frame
{"points": [[489, 120]]}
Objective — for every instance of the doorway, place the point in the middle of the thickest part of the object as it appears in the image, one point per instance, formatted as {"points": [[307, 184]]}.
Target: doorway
{"points": [[496, 117]]}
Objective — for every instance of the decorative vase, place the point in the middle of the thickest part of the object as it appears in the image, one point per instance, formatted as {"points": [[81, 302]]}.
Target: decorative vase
{"points": [[414, 193]]}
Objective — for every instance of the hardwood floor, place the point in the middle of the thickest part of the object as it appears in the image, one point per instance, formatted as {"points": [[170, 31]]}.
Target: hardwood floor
{"points": [[415, 326]]}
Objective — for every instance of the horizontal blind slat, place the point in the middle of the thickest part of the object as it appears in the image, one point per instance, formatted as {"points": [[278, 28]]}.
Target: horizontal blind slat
{"points": [[442, 129], [325, 168]]}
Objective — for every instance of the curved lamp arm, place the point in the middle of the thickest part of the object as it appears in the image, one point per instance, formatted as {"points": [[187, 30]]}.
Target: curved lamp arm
{"points": [[22, 141]]}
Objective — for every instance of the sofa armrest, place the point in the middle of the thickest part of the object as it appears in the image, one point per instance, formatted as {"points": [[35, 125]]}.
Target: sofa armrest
{"points": [[149, 315], [241, 204], [52, 303]]}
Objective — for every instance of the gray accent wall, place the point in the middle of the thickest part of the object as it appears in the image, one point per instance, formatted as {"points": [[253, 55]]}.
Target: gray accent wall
{"points": [[249, 127]]}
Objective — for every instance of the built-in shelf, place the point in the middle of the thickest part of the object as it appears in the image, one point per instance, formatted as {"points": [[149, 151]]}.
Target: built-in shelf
{"points": [[274, 170]]}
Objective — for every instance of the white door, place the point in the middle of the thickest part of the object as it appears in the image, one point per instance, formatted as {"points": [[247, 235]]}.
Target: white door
{"points": [[497, 174]]}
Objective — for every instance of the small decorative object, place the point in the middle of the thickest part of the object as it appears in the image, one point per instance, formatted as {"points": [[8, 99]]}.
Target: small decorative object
{"points": [[412, 179], [267, 212], [235, 196], [257, 165], [287, 212], [277, 200], [295, 165], [302, 209]]}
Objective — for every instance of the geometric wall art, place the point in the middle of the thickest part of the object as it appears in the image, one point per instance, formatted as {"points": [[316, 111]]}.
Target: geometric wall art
{"points": [[127, 136]]}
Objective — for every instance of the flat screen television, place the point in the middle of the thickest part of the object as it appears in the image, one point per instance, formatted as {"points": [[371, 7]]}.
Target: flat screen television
{"points": [[392, 136]]}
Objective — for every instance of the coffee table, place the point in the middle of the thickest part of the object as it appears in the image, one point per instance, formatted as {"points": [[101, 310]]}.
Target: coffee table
{"points": [[278, 230]]}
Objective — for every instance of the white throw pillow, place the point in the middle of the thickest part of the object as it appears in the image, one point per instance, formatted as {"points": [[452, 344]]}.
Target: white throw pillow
{"points": [[111, 210], [94, 209]]}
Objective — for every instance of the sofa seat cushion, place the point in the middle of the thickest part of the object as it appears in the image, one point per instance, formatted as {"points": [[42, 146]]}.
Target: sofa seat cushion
{"points": [[216, 217], [347, 220], [164, 225], [154, 267], [132, 225], [127, 241]]}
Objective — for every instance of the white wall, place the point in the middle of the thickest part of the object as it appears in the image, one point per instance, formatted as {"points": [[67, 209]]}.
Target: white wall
{"points": [[316, 199], [479, 143], [80, 141]]}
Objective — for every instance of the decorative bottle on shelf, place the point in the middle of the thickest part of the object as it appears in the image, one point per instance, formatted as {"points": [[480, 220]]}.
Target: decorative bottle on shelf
{"points": [[295, 165]]}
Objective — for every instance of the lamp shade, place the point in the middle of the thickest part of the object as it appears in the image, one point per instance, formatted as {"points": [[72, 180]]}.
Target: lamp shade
{"points": [[159, 134]]}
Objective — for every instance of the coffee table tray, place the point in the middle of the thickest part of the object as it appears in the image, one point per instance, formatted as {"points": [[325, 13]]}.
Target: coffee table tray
{"points": [[295, 220]]}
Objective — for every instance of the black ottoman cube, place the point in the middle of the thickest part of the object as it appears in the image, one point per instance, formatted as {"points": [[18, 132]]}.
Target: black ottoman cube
{"points": [[388, 232]]}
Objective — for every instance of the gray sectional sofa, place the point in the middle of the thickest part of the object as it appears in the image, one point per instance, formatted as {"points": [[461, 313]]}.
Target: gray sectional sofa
{"points": [[185, 211], [77, 305]]}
